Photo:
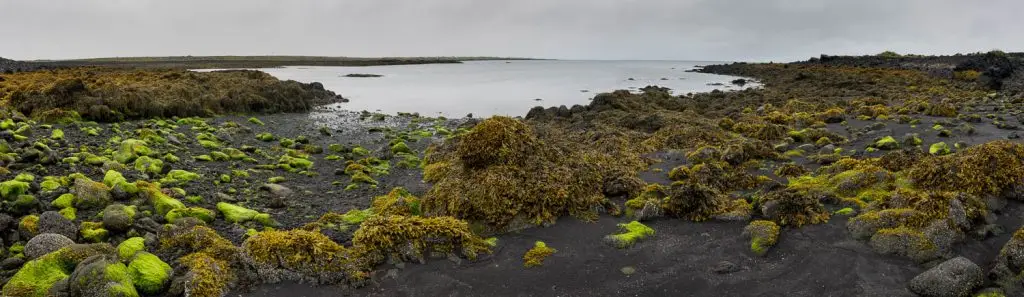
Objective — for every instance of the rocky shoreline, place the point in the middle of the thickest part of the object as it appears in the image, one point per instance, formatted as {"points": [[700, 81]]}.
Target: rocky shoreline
{"points": [[838, 177]]}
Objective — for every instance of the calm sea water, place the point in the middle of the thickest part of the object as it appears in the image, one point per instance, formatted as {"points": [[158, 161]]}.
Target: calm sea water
{"points": [[486, 88]]}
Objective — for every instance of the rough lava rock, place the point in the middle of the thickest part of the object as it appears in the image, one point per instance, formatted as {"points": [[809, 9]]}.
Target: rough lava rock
{"points": [[957, 277], [45, 243]]}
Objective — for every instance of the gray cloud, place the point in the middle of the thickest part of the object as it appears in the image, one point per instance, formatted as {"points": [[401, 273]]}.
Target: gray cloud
{"points": [[584, 29]]}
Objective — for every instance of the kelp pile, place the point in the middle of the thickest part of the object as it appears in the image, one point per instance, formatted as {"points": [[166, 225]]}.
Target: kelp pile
{"points": [[109, 95]]}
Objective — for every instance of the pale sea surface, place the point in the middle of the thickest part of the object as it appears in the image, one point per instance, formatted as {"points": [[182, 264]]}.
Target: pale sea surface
{"points": [[486, 88]]}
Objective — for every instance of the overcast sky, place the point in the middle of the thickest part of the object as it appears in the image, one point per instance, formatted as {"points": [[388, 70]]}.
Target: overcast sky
{"points": [[719, 30]]}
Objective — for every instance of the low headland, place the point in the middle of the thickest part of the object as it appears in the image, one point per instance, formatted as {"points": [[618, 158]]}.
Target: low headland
{"points": [[882, 175]]}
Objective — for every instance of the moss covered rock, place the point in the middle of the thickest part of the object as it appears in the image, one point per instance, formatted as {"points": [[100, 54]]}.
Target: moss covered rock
{"points": [[238, 214], [90, 194], [161, 202], [102, 275], [37, 277], [127, 249], [178, 176], [631, 233], [149, 274], [200, 213], [117, 217]]}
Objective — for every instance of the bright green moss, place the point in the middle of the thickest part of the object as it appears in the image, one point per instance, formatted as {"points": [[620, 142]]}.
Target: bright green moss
{"points": [[177, 176], [536, 255], [887, 143], [219, 156], [360, 151], [238, 214], [200, 213], [94, 231], [204, 158], [939, 149], [401, 147], [149, 274], [171, 158], [295, 163], [63, 201], [119, 281], [356, 216], [161, 202], [149, 165], [127, 249], [844, 212], [68, 212], [37, 276], [131, 149], [631, 233], [57, 134], [276, 179], [13, 188], [267, 137], [256, 121], [25, 176], [49, 184], [763, 235]]}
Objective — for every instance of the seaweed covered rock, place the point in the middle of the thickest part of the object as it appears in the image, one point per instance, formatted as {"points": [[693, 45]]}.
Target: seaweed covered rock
{"points": [[694, 201], [500, 173], [906, 242], [957, 277], [301, 255], [101, 275], [647, 205], [45, 243], [402, 238], [197, 239], [793, 207]]}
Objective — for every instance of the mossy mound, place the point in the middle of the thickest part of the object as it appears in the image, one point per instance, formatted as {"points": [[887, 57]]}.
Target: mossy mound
{"points": [[102, 275], [793, 207], [694, 201]]}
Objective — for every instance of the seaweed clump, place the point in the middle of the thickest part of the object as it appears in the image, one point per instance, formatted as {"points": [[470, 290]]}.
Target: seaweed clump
{"points": [[536, 255], [302, 255], [400, 238], [993, 168], [500, 173]]}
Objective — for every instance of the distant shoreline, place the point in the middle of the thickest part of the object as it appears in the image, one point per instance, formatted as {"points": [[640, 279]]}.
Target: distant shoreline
{"points": [[225, 62]]}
